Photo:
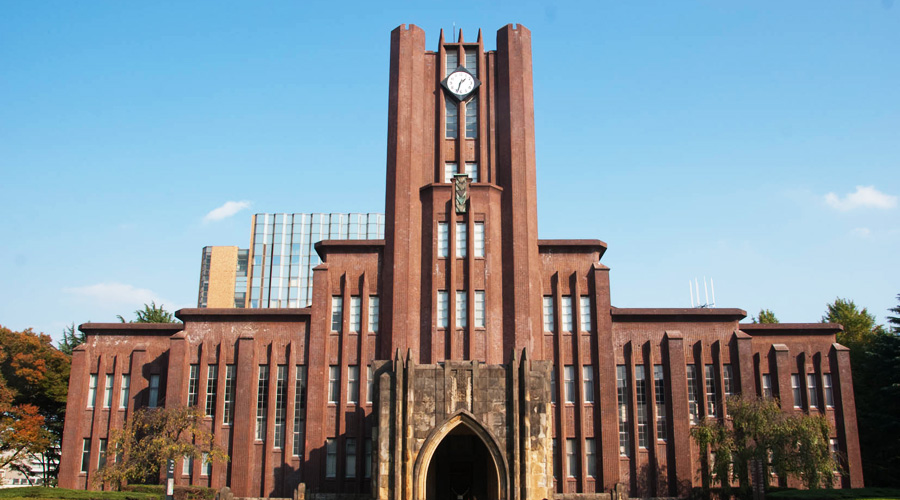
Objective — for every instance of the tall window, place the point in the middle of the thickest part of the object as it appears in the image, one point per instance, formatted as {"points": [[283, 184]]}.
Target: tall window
{"points": [[299, 410], [334, 384], [693, 393], [124, 391], [548, 314], [728, 380], [206, 465], [101, 455], [350, 458], [622, 399], [460, 239], [640, 392], [712, 401], [452, 61], [587, 377], [107, 391], [553, 386], [566, 313], [353, 384], [280, 405], [472, 171], [443, 239], [228, 409], [479, 309], [767, 386], [452, 118], [659, 391], [472, 118], [193, 385], [367, 467], [461, 309], [829, 391], [337, 312], [443, 314], [472, 61], [262, 402], [373, 313], [370, 384], [590, 456], [555, 459], [795, 389], [187, 465], [212, 378], [450, 169], [479, 239], [571, 459], [153, 392], [92, 391], [812, 392], [586, 319], [569, 383], [85, 454], [330, 458], [355, 313]]}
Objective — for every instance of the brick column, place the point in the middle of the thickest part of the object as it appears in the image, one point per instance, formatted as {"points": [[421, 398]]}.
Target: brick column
{"points": [[244, 418], [744, 361], [605, 416], [681, 429], [176, 378], [70, 462], [846, 424], [783, 376]]}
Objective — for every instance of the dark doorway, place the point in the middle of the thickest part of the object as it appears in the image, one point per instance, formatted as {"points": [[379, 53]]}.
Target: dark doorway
{"points": [[462, 469]]}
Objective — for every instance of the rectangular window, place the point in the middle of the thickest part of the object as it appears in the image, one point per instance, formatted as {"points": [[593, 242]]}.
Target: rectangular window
{"points": [[450, 170], [586, 319], [569, 383], [479, 309], [622, 400], [835, 450], [812, 391], [370, 384], [101, 455], [337, 313], [767, 386], [330, 458], [472, 61], [549, 322], [334, 384], [472, 171], [262, 402], [556, 458], [571, 459], [92, 391], [355, 313], [829, 391], [452, 61], [461, 309], [712, 400], [124, 391], [280, 405], [300, 411], [590, 456], [451, 109], [795, 389], [107, 391], [212, 378], [443, 314], [206, 469], [353, 384], [728, 380], [228, 410], [553, 386], [566, 313], [443, 239], [640, 393], [374, 317], [479, 239], [187, 465], [472, 118], [693, 393], [350, 458], [659, 392], [153, 392], [85, 454], [367, 467], [587, 377], [460, 239], [193, 385]]}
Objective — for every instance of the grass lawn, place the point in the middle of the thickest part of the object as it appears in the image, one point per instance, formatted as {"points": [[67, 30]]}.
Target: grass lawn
{"points": [[41, 492], [836, 494]]}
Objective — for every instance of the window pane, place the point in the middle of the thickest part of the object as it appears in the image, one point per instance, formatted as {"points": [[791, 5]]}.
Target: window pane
{"points": [[566, 313], [479, 309], [587, 376], [443, 239], [659, 390], [712, 396], [461, 309], [693, 393], [355, 313], [622, 400], [812, 392], [212, 377], [262, 401], [586, 318], [353, 384], [124, 393], [443, 314], [640, 393], [374, 317], [569, 381], [300, 411], [280, 405], [548, 314], [460, 239], [479, 239], [451, 109], [337, 311], [334, 384], [795, 389], [472, 118]]}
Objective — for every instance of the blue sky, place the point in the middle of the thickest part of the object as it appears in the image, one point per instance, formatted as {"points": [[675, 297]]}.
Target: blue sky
{"points": [[756, 143]]}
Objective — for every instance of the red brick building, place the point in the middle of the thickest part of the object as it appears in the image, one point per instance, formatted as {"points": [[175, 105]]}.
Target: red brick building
{"points": [[460, 357]]}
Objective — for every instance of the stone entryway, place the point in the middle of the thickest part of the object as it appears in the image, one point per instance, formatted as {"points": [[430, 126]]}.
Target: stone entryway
{"points": [[462, 469]]}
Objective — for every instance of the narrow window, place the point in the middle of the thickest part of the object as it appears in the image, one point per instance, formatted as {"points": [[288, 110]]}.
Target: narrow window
{"points": [[472, 61], [586, 319], [262, 402], [659, 391], [353, 384], [355, 313], [622, 399], [587, 376], [461, 310], [107, 391], [330, 458], [212, 378], [571, 459], [693, 393], [767, 386], [479, 309], [85, 454], [569, 383], [472, 171], [443, 239], [452, 61], [187, 465], [460, 239], [350, 458], [92, 391], [812, 392], [566, 313], [101, 455], [337, 311], [124, 391], [829, 391], [711, 393], [153, 392], [640, 393], [728, 380], [280, 405], [367, 467], [452, 118], [370, 384], [206, 469], [443, 314], [300, 411], [373, 313], [590, 456], [228, 410], [548, 314], [450, 169], [835, 451], [479, 239], [193, 385], [556, 458], [472, 118], [334, 383], [795, 389]]}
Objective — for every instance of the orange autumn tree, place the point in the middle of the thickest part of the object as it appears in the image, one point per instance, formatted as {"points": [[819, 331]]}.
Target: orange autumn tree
{"points": [[21, 426]]}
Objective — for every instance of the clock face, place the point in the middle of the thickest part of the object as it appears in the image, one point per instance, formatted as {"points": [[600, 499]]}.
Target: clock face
{"points": [[460, 83]]}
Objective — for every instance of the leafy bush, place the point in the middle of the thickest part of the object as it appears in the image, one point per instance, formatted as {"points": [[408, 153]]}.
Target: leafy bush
{"points": [[181, 492], [62, 493]]}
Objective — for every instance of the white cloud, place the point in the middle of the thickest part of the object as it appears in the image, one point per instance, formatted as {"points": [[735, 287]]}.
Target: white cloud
{"points": [[115, 293], [863, 197], [225, 211], [862, 232]]}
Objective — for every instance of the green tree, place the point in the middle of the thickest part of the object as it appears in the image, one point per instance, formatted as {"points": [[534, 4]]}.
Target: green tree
{"points": [[152, 437], [894, 321], [151, 314], [72, 338], [859, 326], [765, 316]]}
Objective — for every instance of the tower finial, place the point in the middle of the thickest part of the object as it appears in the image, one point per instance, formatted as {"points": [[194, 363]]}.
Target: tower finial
{"points": [[479, 36], [460, 40], [441, 37]]}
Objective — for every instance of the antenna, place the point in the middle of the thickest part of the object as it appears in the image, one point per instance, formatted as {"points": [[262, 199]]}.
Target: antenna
{"points": [[454, 33], [691, 292], [694, 292], [705, 290]]}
